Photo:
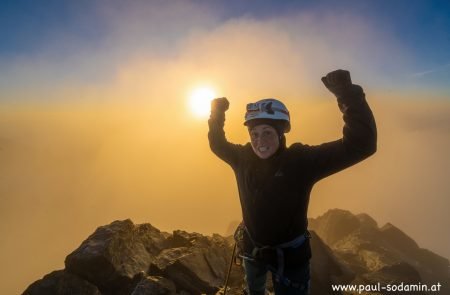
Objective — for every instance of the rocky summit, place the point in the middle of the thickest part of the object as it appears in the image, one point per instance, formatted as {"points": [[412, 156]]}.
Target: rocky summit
{"points": [[138, 259]]}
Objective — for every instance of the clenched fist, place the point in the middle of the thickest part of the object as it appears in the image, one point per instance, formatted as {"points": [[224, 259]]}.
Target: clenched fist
{"points": [[338, 82], [220, 104]]}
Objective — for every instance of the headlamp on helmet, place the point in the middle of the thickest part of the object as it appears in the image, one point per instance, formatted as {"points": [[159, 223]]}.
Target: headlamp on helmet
{"points": [[268, 108]]}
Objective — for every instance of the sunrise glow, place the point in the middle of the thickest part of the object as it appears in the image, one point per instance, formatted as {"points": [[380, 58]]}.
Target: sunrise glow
{"points": [[200, 101]]}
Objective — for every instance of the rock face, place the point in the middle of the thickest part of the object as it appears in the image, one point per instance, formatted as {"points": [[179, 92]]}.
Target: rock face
{"points": [[154, 285], [63, 283], [112, 256], [376, 254], [325, 268], [195, 263], [125, 258]]}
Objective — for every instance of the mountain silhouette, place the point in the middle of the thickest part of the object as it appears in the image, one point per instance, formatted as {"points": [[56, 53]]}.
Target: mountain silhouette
{"points": [[138, 259]]}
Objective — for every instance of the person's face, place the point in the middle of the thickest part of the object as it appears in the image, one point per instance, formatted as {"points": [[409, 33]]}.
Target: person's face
{"points": [[264, 139]]}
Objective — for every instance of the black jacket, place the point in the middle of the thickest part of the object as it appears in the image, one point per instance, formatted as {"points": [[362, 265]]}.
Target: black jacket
{"points": [[274, 193]]}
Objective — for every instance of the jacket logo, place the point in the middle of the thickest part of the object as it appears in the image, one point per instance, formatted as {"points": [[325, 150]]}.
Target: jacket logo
{"points": [[279, 173]]}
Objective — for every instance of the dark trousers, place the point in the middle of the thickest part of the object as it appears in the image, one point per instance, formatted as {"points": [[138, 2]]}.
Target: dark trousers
{"points": [[256, 275]]}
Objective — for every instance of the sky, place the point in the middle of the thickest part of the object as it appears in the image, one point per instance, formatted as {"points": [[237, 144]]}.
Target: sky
{"points": [[95, 124]]}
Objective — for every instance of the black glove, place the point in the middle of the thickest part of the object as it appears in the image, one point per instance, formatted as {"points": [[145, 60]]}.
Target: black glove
{"points": [[219, 105], [338, 82]]}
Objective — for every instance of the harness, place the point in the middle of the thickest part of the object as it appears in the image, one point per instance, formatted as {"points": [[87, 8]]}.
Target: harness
{"points": [[279, 249]]}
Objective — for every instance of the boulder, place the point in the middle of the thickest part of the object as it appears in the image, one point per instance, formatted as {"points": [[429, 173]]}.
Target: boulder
{"points": [[154, 285], [152, 238], [61, 282], [196, 270], [114, 254]]}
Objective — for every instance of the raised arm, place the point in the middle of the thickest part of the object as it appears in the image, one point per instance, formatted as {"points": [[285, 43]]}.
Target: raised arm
{"points": [[225, 150], [359, 139]]}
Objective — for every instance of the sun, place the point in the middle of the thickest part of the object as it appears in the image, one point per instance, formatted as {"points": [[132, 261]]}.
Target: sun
{"points": [[200, 101]]}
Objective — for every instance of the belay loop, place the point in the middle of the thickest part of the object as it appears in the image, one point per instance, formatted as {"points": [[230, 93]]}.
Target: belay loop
{"points": [[279, 249]]}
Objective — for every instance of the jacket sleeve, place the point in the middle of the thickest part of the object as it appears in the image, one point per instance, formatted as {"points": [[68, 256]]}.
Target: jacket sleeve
{"points": [[359, 139], [218, 143]]}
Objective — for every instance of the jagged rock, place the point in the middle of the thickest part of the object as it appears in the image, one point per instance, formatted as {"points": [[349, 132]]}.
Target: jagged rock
{"points": [[398, 239], [114, 254], [123, 258], [430, 266], [365, 252], [369, 250], [334, 225], [153, 285], [393, 274], [325, 268], [181, 238], [152, 238], [365, 221], [194, 269], [61, 282]]}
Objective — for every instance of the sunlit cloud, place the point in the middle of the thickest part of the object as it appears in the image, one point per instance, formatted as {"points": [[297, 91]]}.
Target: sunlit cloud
{"points": [[103, 131], [200, 100]]}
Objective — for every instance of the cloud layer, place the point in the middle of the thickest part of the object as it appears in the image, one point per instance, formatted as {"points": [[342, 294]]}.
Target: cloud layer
{"points": [[96, 131]]}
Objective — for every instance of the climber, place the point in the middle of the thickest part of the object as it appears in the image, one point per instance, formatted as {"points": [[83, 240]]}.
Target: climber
{"points": [[274, 181]]}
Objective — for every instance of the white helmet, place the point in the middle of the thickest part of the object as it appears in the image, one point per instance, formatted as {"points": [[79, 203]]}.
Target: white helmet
{"points": [[268, 108]]}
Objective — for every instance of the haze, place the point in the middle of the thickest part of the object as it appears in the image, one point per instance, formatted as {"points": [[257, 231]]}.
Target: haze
{"points": [[98, 129]]}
